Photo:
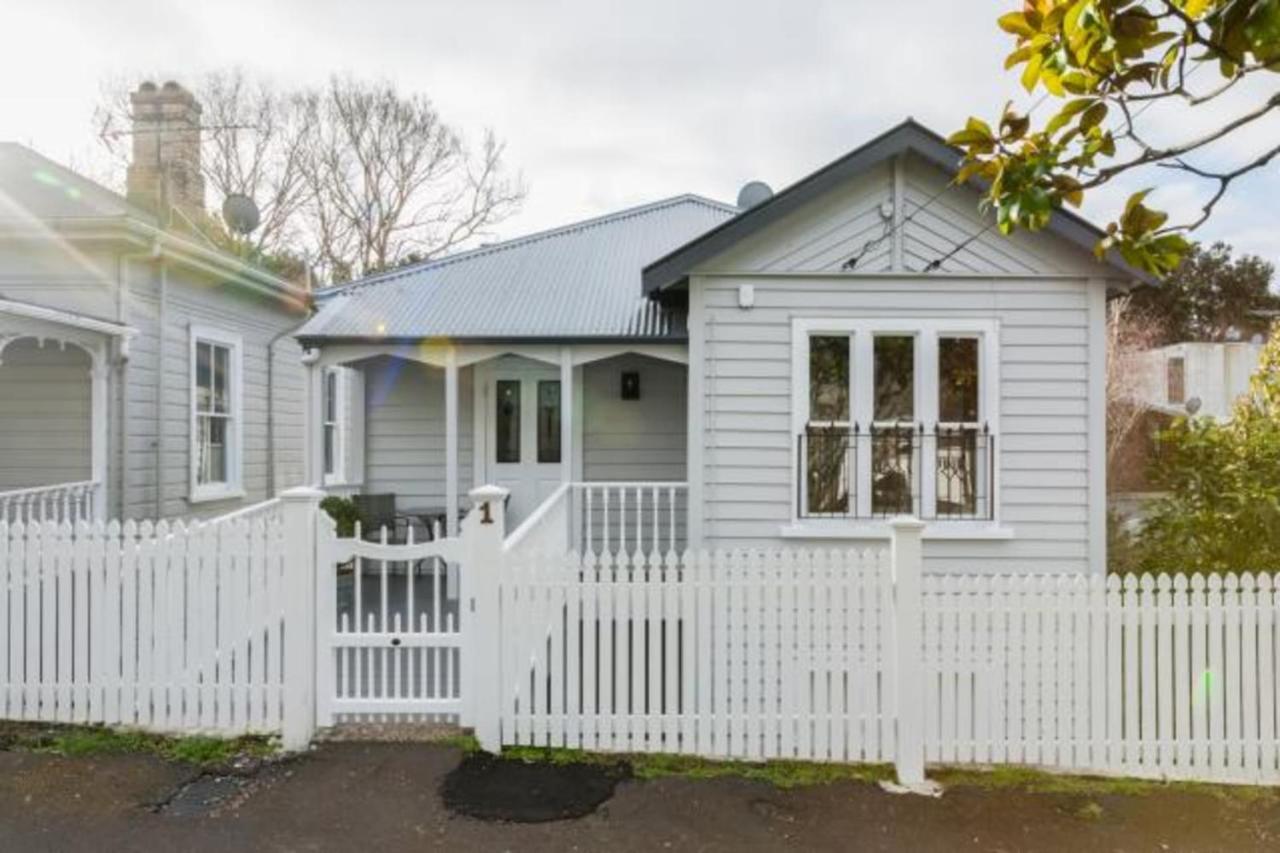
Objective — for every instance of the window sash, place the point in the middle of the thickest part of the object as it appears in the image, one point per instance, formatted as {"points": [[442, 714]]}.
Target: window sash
{"points": [[946, 473]]}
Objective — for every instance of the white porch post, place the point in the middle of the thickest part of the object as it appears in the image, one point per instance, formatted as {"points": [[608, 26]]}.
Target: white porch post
{"points": [[451, 441], [315, 423], [566, 414], [99, 417]]}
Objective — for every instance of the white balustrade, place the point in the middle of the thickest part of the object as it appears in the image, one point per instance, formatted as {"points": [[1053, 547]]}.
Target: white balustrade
{"points": [[71, 502]]}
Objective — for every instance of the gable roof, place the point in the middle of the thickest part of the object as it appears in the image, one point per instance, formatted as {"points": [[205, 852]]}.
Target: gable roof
{"points": [[32, 185], [579, 282], [674, 267], [41, 198]]}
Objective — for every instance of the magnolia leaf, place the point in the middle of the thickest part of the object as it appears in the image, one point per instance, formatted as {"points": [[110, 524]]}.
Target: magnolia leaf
{"points": [[1017, 24], [1031, 74]]}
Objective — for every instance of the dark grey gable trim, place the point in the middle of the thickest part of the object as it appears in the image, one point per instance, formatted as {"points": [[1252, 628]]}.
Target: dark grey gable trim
{"points": [[672, 268]]}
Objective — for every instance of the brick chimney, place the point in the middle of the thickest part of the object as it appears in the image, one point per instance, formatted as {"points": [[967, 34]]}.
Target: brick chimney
{"points": [[165, 168]]}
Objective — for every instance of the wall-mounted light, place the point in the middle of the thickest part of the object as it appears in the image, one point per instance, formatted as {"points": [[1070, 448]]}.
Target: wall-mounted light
{"points": [[630, 385]]}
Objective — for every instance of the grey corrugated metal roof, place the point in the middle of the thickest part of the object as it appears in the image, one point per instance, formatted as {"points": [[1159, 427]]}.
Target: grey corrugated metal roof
{"points": [[580, 281]]}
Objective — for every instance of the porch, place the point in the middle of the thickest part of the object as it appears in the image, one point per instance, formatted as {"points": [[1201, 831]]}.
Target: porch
{"points": [[54, 376], [593, 436]]}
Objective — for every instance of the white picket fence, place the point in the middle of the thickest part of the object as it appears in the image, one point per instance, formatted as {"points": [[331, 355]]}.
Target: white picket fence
{"points": [[163, 627], [266, 622], [831, 656], [754, 655]]}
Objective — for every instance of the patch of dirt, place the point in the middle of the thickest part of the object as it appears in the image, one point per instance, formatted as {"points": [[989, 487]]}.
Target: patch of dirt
{"points": [[490, 788]]}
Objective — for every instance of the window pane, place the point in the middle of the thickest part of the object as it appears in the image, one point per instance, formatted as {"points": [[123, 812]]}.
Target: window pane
{"points": [[211, 464], [549, 421], [508, 421], [892, 471], [958, 465], [204, 380], [828, 457], [1177, 381], [331, 396], [895, 368], [221, 372], [958, 380], [828, 378], [330, 439]]}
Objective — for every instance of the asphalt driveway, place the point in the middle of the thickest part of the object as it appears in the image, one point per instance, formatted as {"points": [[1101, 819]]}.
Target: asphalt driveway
{"points": [[384, 796]]}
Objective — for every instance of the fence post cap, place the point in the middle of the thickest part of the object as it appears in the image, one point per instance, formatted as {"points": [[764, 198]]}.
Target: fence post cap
{"points": [[302, 493], [480, 494], [906, 523]]}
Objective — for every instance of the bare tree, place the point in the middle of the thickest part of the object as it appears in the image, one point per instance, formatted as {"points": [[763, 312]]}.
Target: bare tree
{"points": [[389, 179], [254, 146], [355, 176], [1130, 332]]}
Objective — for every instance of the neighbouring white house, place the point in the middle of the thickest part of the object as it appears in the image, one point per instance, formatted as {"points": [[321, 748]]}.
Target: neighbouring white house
{"points": [[796, 369], [1212, 374], [144, 373]]}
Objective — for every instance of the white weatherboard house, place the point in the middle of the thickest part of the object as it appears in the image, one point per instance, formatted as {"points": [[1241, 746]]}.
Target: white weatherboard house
{"points": [[860, 345], [143, 372]]}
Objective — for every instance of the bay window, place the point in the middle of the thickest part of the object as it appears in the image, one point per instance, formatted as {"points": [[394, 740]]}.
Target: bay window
{"points": [[895, 417]]}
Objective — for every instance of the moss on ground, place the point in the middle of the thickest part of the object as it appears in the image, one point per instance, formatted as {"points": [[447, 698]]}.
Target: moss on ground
{"points": [[1041, 782], [781, 774], [79, 741], [793, 774]]}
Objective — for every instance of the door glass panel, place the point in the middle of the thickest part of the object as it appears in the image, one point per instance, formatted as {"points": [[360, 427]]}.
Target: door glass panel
{"points": [[895, 386], [828, 378], [958, 380], [507, 433], [549, 420]]}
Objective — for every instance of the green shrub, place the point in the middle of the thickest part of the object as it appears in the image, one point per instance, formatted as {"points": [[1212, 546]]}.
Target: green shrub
{"points": [[1222, 508], [343, 512]]}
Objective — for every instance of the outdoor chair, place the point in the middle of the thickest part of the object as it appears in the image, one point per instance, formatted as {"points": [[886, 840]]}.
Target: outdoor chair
{"points": [[377, 512]]}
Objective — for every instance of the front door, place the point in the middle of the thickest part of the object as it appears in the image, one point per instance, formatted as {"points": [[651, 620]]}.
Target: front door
{"points": [[523, 431]]}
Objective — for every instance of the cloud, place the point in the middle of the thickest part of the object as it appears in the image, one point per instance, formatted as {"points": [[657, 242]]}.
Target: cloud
{"points": [[601, 103]]}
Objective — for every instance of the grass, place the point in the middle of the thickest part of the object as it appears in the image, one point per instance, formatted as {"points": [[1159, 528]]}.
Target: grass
{"points": [[83, 741], [796, 774], [781, 774], [1040, 782]]}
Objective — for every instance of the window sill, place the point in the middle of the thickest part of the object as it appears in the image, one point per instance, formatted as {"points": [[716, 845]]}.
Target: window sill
{"points": [[209, 494], [935, 530]]}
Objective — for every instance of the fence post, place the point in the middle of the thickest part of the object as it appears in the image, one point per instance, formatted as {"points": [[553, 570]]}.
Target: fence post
{"points": [[483, 532], [299, 510], [907, 561]]}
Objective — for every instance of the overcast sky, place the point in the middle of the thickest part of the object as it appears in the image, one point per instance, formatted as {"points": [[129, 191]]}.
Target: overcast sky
{"points": [[601, 104]]}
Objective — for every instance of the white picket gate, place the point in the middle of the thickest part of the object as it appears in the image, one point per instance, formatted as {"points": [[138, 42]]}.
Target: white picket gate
{"points": [[164, 627], [389, 639]]}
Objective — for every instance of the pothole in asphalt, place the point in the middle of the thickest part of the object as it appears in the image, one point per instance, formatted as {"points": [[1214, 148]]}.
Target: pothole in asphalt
{"points": [[490, 788], [203, 795], [211, 793]]}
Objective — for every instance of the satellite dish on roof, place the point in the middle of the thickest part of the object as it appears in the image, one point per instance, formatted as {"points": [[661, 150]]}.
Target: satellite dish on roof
{"points": [[752, 194], [240, 213]]}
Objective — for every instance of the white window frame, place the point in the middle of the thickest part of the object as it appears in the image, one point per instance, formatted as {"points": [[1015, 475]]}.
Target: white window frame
{"points": [[337, 476], [862, 333], [234, 485]]}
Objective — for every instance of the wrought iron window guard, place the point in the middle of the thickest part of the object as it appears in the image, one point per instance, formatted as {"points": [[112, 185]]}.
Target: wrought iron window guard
{"points": [[846, 471]]}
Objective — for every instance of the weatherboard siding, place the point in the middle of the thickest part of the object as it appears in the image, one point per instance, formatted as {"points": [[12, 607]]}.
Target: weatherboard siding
{"points": [[404, 431], [634, 440], [103, 284], [1043, 453], [191, 300], [856, 219], [45, 437]]}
